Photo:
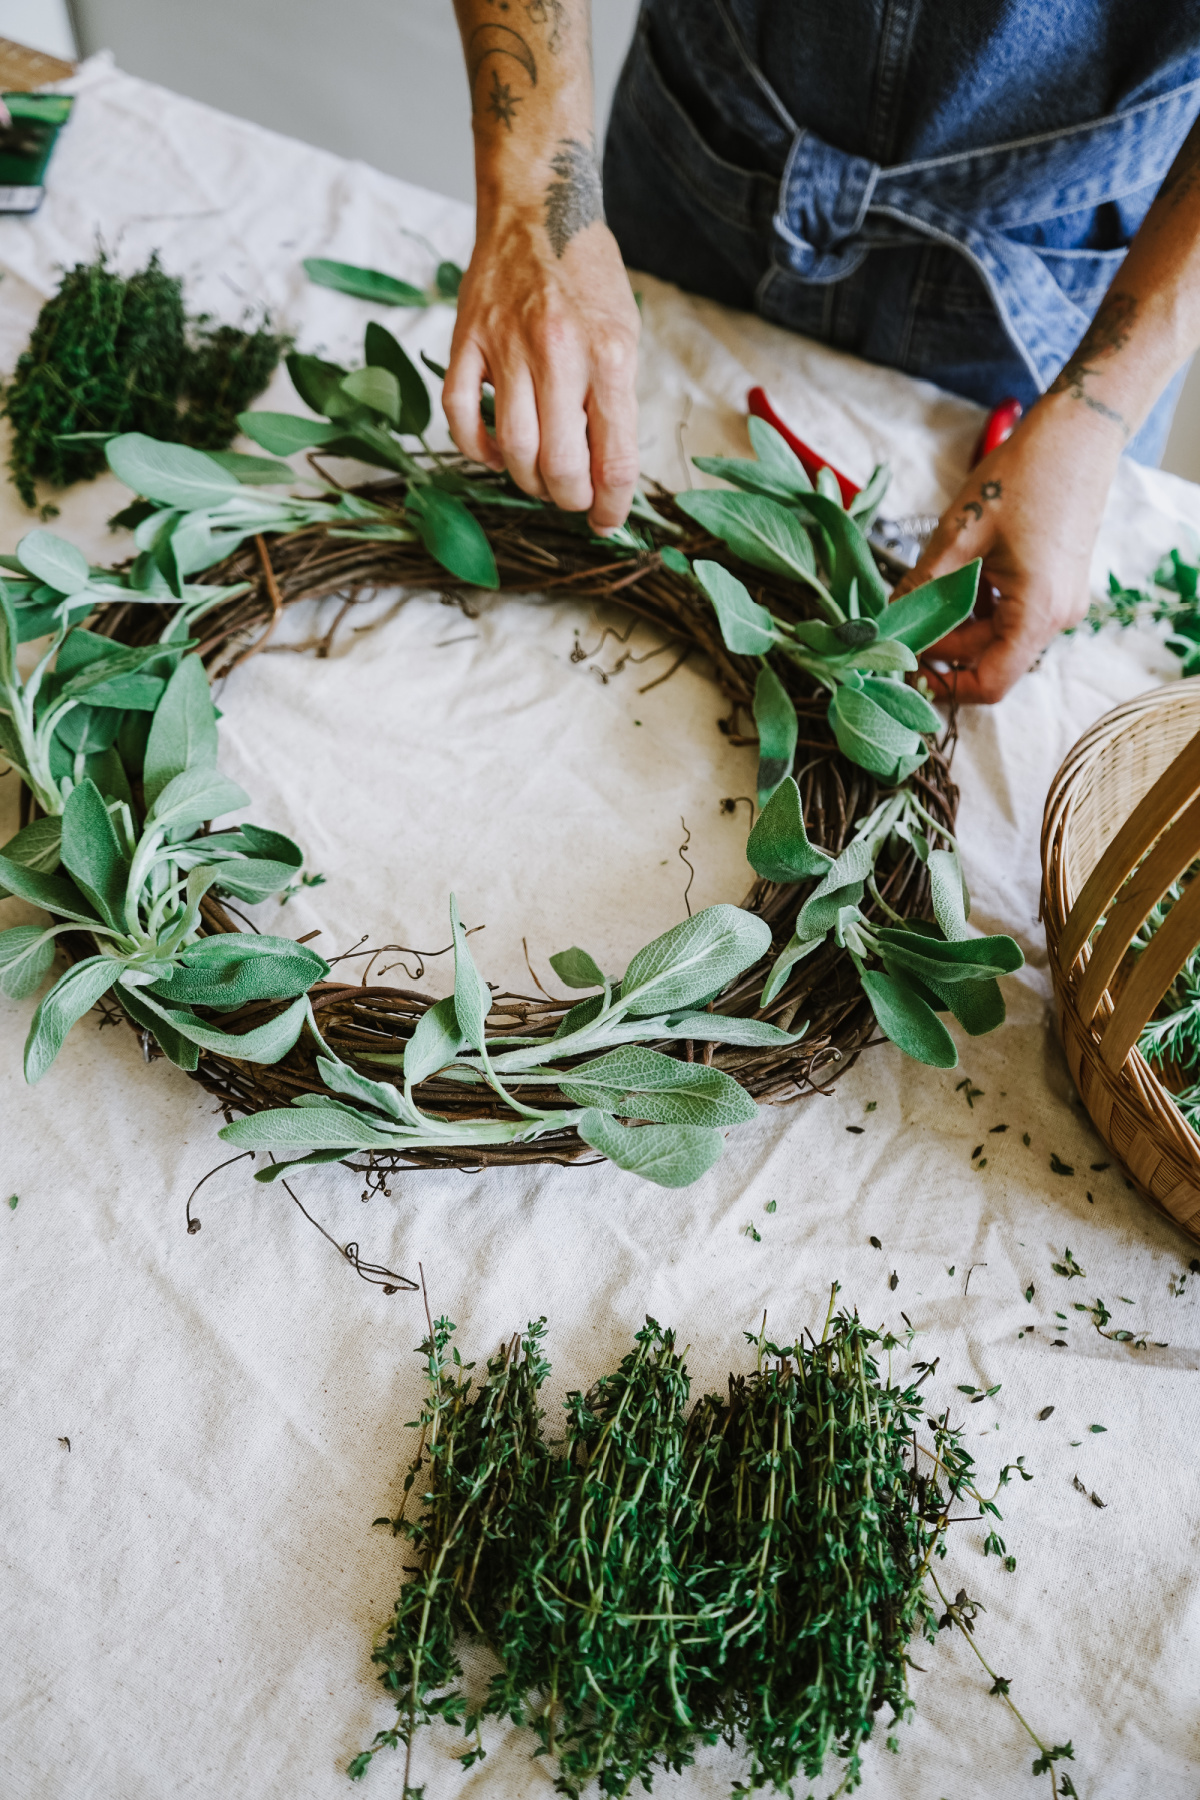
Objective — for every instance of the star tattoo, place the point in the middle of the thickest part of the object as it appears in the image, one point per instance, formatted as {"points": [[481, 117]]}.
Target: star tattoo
{"points": [[502, 102]]}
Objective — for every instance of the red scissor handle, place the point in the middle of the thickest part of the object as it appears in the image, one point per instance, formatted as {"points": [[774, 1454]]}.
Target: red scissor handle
{"points": [[999, 426], [761, 408]]}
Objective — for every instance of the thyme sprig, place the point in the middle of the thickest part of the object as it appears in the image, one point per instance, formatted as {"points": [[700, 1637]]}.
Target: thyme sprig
{"points": [[749, 1569]]}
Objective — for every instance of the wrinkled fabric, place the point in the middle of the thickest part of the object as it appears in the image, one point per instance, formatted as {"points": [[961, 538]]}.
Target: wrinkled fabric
{"points": [[920, 184], [188, 1594]]}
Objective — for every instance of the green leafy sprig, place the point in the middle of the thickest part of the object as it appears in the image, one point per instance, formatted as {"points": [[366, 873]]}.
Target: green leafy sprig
{"points": [[752, 1567]]}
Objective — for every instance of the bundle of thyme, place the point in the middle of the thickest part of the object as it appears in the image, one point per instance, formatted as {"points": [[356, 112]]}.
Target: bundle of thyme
{"points": [[114, 354], [1171, 1038], [749, 1570], [1170, 600]]}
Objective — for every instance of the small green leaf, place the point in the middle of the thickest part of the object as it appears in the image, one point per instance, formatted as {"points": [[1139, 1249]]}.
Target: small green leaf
{"points": [[644, 1084], [363, 284], [778, 848], [377, 389], [778, 729], [436, 1041], [904, 703], [285, 433], [448, 280], [693, 960], [669, 1155], [53, 892], [910, 1023], [871, 737], [925, 616], [254, 471], [777, 457], [230, 969], [264, 1044], [1097, 1427], [343, 1080], [193, 796], [472, 996], [37, 846], [183, 734], [383, 351], [93, 855], [174, 1046], [747, 628], [322, 1127], [868, 500], [758, 530], [576, 969], [52, 560], [26, 958], [948, 889], [74, 994], [453, 536], [315, 380], [852, 557], [174, 474]]}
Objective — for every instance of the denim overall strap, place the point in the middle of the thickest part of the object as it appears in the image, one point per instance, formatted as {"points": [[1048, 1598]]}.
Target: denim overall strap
{"points": [[834, 207]]}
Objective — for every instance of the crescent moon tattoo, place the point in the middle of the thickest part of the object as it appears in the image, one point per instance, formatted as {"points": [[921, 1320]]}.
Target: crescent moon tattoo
{"points": [[499, 40]]}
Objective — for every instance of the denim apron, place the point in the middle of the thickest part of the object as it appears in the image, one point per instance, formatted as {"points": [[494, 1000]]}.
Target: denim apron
{"points": [[845, 171]]}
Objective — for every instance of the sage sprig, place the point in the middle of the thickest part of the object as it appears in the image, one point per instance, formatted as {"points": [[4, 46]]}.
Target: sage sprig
{"points": [[865, 644]]}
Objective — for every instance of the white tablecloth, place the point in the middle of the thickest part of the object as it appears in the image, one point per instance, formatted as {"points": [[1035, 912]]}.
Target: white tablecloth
{"points": [[190, 1590]]}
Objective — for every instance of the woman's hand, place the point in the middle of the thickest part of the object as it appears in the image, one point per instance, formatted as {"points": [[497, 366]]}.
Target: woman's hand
{"points": [[1031, 510], [556, 335]]}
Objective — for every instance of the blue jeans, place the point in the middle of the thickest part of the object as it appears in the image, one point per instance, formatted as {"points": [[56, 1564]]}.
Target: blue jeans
{"points": [[977, 269]]}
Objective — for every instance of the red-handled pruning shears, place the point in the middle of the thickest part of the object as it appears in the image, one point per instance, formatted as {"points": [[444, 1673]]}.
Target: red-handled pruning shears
{"points": [[898, 542]]}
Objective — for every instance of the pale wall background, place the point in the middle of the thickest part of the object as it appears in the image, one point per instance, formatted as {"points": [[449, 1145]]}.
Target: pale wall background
{"points": [[380, 80]]}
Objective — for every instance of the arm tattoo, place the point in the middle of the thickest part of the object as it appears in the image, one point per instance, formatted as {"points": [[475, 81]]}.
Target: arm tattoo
{"points": [[500, 41], [1105, 337], [574, 199], [552, 13], [972, 511], [1183, 176]]}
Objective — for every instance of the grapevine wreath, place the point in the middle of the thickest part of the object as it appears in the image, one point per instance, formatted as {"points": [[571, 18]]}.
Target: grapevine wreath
{"points": [[857, 920]]}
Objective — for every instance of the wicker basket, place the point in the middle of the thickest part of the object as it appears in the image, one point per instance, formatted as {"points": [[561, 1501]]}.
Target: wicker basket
{"points": [[1127, 798]]}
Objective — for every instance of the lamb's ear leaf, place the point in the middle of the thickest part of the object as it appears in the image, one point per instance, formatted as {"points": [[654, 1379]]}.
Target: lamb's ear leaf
{"points": [[904, 703], [747, 628], [264, 1044], [778, 729], [669, 1155], [72, 995], [694, 960], [760, 531], [925, 616], [376, 388], [196, 794], [26, 957], [53, 561], [852, 559], [639, 1083], [908, 1020], [285, 433], [948, 888], [341, 1079], [777, 456], [778, 848], [37, 846], [174, 474], [576, 969], [174, 1046], [868, 500], [871, 737], [436, 1041], [472, 996], [183, 732], [92, 853], [53, 892], [383, 351]]}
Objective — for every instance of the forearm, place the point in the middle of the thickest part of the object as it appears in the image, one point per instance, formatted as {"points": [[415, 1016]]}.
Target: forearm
{"points": [[1148, 323], [530, 74]]}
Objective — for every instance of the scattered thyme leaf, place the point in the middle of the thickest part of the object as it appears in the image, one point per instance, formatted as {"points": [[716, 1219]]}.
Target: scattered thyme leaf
{"points": [[751, 1232], [893, 1281], [972, 1092], [874, 1241], [13, 1202], [1058, 1166], [977, 1151], [1099, 1168], [1097, 1427], [1026, 1139], [1045, 1412], [1030, 1291], [856, 1129], [1068, 1266], [770, 1206]]}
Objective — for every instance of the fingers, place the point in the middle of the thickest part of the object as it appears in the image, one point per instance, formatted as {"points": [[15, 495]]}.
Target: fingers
{"points": [[986, 657], [999, 668], [460, 397], [518, 432], [564, 459], [612, 436]]}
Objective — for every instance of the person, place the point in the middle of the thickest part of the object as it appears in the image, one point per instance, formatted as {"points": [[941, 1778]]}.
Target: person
{"points": [[998, 195]]}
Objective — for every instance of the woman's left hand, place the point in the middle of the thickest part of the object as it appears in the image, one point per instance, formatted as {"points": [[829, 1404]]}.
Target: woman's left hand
{"points": [[1031, 510]]}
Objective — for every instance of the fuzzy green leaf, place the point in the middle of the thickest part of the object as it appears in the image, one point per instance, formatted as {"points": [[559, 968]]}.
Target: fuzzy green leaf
{"points": [[867, 501], [254, 471], [183, 734], [908, 1020], [264, 1044], [174, 1046], [193, 796], [38, 846], [10, 638], [778, 848], [322, 1127], [671, 1156], [794, 951], [315, 380], [778, 729], [436, 1041], [948, 889], [472, 996], [871, 737], [285, 433], [231, 969], [723, 1028], [453, 536], [92, 854], [923, 617], [53, 892], [904, 703], [852, 559], [693, 960], [383, 351], [363, 284], [644, 1084], [377, 389], [576, 969], [747, 628], [52, 560], [758, 530], [966, 959], [344, 1080], [174, 474], [776, 456], [26, 957], [74, 994]]}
